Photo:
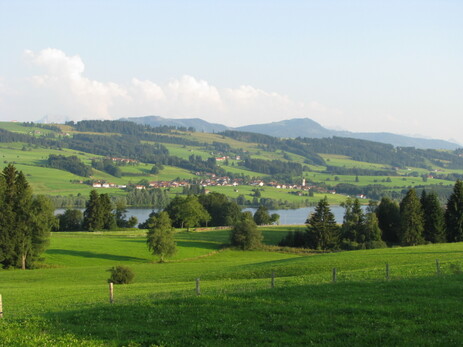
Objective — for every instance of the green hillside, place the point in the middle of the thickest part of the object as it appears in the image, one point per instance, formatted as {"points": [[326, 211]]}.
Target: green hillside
{"points": [[65, 301], [341, 165]]}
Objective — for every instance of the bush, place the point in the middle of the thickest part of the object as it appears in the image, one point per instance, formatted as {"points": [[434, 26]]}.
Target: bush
{"points": [[121, 275], [245, 234]]}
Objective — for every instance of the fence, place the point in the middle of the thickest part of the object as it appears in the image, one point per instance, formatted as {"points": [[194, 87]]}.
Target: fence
{"points": [[273, 281]]}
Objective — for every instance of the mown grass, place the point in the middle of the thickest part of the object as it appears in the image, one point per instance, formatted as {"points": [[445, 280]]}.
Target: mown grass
{"points": [[65, 303]]}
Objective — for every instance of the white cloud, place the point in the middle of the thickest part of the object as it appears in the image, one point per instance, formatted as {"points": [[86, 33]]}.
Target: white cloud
{"points": [[61, 89]]}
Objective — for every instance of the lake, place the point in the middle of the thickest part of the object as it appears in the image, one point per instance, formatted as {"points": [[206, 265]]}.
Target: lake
{"points": [[287, 217]]}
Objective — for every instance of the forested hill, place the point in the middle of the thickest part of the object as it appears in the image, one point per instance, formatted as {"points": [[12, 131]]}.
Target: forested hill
{"points": [[297, 127], [360, 150]]}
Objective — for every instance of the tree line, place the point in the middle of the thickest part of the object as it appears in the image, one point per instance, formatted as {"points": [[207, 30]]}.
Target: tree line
{"points": [[413, 221]]}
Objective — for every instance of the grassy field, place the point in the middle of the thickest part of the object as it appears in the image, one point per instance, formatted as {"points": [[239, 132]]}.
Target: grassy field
{"points": [[65, 302]]}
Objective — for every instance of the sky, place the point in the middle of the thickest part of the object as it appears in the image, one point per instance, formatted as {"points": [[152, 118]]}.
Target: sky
{"points": [[376, 66]]}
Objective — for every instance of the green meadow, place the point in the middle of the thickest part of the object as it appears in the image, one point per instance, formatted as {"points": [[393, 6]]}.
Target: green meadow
{"points": [[65, 301]]}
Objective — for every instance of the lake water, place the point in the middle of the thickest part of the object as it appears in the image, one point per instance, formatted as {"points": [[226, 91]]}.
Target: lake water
{"points": [[287, 217]]}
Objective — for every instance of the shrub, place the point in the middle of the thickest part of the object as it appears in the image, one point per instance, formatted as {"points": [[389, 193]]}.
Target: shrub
{"points": [[455, 268], [121, 275]]}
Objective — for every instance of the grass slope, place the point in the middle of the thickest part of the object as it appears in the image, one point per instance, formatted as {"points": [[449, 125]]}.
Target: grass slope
{"points": [[65, 303]]}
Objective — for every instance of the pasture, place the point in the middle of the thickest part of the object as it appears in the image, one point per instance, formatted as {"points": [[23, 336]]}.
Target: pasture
{"points": [[65, 301]]}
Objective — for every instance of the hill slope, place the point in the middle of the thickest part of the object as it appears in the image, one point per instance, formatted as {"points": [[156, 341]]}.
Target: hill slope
{"points": [[298, 127]]}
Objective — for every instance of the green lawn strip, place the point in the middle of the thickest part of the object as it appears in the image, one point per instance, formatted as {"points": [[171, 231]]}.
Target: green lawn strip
{"points": [[67, 303], [424, 311]]}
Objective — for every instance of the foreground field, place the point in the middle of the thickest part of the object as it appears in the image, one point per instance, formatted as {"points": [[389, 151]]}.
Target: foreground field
{"points": [[65, 302]]}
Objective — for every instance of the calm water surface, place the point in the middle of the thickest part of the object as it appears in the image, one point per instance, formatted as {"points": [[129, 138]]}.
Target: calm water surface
{"points": [[287, 217]]}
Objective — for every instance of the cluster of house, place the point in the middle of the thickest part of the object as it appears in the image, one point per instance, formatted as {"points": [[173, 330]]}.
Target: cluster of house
{"points": [[227, 157], [108, 185], [214, 180]]}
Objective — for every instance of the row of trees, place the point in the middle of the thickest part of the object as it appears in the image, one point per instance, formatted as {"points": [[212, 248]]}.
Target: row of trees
{"points": [[25, 221], [412, 222], [160, 235], [100, 214], [359, 229], [419, 220]]}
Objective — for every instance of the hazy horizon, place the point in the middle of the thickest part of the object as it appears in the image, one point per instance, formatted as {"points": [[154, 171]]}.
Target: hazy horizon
{"points": [[360, 66]]}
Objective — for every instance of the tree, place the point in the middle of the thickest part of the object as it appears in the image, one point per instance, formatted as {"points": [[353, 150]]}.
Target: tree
{"points": [[245, 234], [160, 236], [25, 221], [70, 220], [120, 215], [187, 212], [354, 221], [434, 220], [98, 214], [372, 232], [411, 220], [322, 230], [454, 214], [388, 213], [43, 221], [275, 218], [261, 216], [106, 208], [222, 211], [93, 217]]}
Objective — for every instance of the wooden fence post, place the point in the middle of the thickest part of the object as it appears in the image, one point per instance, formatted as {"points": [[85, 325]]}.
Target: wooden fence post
{"points": [[111, 292], [1, 306], [437, 267], [272, 283], [334, 275], [387, 271], [198, 287]]}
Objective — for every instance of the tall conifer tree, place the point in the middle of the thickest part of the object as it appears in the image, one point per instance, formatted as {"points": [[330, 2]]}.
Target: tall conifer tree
{"points": [[454, 214], [93, 218], [25, 221], [388, 213], [411, 220], [322, 230], [434, 222]]}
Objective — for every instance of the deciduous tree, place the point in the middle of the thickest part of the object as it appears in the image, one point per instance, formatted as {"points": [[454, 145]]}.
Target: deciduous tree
{"points": [[245, 234], [160, 236]]}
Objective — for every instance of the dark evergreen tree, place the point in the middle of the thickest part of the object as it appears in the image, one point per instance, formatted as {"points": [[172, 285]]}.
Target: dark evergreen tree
{"points": [[93, 216], [106, 208], [411, 220], [434, 220], [372, 233], [354, 221], [388, 213], [322, 230], [454, 214], [25, 222]]}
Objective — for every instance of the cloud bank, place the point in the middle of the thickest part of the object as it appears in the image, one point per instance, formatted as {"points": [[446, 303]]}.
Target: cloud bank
{"points": [[61, 91]]}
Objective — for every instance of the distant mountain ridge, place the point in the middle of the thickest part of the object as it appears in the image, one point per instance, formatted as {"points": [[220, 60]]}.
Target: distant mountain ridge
{"points": [[298, 127], [197, 123]]}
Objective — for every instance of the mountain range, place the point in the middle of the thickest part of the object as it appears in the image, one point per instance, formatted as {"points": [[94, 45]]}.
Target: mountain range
{"points": [[298, 127]]}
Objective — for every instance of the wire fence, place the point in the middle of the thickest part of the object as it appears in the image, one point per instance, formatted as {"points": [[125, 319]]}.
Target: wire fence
{"points": [[17, 303]]}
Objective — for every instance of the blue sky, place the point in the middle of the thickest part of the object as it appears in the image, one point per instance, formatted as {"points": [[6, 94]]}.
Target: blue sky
{"points": [[391, 66]]}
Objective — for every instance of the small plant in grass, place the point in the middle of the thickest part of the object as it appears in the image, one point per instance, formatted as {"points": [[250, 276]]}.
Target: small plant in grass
{"points": [[455, 268], [121, 275]]}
